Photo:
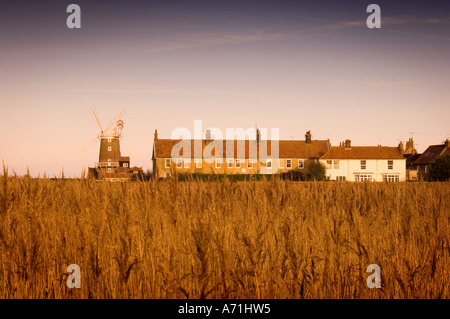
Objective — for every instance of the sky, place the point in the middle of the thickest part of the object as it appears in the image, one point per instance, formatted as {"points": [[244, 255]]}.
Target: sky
{"points": [[291, 65]]}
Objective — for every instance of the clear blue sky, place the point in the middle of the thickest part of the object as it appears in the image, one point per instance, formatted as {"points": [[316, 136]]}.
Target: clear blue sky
{"points": [[294, 65]]}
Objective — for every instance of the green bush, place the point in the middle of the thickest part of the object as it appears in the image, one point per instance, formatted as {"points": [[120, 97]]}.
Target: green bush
{"points": [[440, 169], [315, 171]]}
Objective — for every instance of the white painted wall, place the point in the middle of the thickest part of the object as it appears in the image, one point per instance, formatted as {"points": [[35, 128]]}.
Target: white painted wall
{"points": [[377, 168]]}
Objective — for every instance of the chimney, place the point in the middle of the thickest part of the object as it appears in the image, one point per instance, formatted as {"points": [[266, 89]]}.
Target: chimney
{"points": [[156, 135], [308, 137], [410, 143], [447, 143], [258, 136], [401, 149], [208, 135], [347, 144]]}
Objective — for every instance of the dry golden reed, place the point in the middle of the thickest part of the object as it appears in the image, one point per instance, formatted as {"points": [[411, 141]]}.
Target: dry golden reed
{"points": [[264, 239]]}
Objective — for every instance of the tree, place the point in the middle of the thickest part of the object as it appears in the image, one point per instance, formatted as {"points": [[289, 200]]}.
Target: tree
{"points": [[147, 175], [440, 169], [315, 171]]}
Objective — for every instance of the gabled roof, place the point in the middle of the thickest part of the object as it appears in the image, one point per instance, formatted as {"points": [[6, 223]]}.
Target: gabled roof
{"points": [[430, 155], [410, 158], [363, 152], [287, 148]]}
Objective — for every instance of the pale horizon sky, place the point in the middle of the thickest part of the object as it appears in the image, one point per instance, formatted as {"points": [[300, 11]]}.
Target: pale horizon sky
{"points": [[293, 65]]}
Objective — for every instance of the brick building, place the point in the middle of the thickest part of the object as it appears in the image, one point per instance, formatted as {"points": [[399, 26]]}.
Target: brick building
{"points": [[209, 156]]}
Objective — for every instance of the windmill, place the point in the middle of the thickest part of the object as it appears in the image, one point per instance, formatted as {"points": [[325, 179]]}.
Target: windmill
{"points": [[111, 164], [109, 131]]}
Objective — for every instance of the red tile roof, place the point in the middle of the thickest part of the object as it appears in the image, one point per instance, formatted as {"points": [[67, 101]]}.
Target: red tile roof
{"points": [[430, 155], [287, 149], [363, 152]]}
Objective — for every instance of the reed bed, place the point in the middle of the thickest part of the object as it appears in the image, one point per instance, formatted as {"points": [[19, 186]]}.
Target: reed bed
{"points": [[263, 239]]}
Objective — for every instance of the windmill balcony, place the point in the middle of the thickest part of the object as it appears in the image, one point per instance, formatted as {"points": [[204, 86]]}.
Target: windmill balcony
{"points": [[106, 164]]}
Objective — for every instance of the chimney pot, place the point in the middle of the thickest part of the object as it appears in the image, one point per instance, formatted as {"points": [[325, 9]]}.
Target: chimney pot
{"points": [[401, 149], [308, 137], [348, 144]]}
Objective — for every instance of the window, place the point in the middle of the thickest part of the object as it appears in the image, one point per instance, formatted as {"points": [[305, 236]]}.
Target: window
{"points": [[238, 163], [179, 163], [250, 163], [125, 164], [230, 162], [281, 163], [340, 178], [363, 164], [122, 179], [109, 170], [167, 163], [109, 148], [218, 163], [301, 164], [109, 140], [269, 163], [391, 178], [390, 164], [363, 177], [329, 163], [187, 161], [198, 162], [336, 164], [288, 163], [109, 162], [167, 174]]}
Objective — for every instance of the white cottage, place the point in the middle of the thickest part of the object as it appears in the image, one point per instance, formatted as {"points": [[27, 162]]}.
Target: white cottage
{"points": [[364, 163]]}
